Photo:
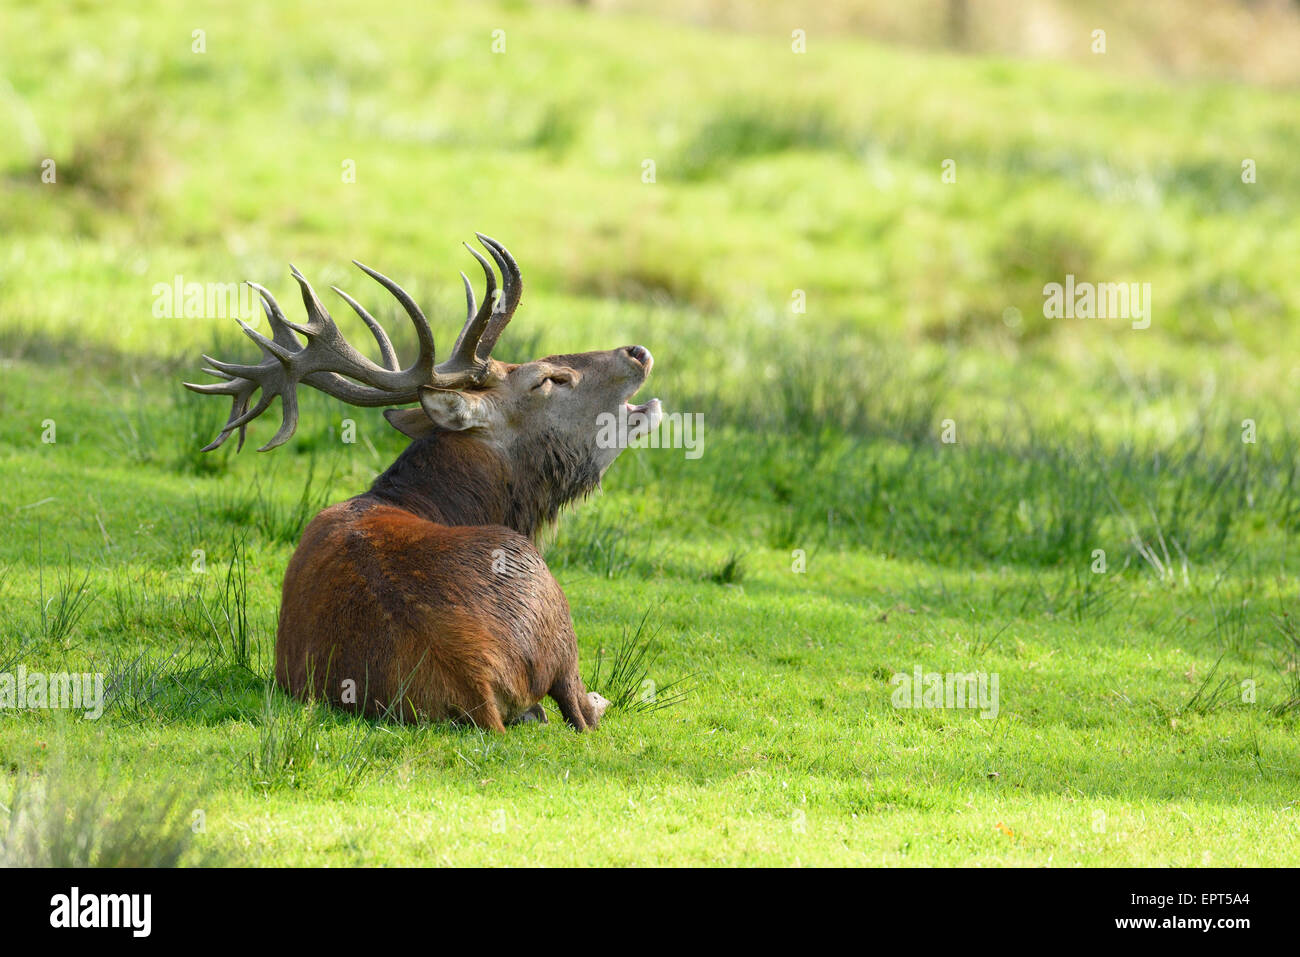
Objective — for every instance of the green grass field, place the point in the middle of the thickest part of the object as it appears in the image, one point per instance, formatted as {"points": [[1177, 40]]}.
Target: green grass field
{"points": [[1111, 532]]}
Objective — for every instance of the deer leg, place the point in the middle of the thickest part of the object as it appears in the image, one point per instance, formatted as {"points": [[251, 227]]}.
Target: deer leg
{"points": [[568, 692]]}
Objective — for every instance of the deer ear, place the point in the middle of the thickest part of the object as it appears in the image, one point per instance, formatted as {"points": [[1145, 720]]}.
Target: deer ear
{"points": [[412, 423], [454, 411]]}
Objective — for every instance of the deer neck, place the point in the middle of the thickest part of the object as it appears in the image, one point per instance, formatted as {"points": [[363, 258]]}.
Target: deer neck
{"points": [[454, 478]]}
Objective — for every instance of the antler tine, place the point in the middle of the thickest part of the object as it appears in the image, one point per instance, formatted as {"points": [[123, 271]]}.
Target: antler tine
{"points": [[512, 285], [463, 353], [423, 333], [470, 305], [268, 346], [319, 322], [289, 422], [381, 337], [240, 390], [483, 328], [229, 387], [281, 328]]}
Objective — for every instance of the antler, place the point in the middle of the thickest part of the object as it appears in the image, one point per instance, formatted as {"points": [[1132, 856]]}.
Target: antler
{"points": [[329, 363]]}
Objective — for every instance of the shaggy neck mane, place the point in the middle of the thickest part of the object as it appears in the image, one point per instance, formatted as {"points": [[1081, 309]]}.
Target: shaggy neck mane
{"points": [[454, 478]]}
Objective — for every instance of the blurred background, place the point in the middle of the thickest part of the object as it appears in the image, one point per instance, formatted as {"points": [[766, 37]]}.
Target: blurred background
{"points": [[1246, 40]]}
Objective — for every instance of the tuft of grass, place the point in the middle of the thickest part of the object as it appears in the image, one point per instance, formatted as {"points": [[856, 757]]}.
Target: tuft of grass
{"points": [[1289, 664], [309, 744], [151, 687], [625, 680], [61, 611], [221, 624], [288, 742], [11, 650], [557, 129], [1210, 695], [1083, 596], [199, 421], [232, 634], [731, 572], [1231, 623]]}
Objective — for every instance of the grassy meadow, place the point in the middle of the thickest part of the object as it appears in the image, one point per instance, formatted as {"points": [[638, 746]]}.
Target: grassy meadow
{"points": [[905, 463]]}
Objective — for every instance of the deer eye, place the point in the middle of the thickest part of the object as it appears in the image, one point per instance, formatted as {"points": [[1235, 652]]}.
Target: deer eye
{"points": [[557, 378]]}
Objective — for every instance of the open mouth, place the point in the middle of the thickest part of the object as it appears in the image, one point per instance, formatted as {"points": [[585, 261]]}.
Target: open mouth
{"points": [[644, 418]]}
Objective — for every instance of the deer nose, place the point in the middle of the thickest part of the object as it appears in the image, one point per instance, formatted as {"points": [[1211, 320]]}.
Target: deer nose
{"points": [[641, 355]]}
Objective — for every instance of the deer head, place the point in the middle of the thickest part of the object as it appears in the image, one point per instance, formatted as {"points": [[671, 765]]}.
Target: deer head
{"points": [[532, 431]]}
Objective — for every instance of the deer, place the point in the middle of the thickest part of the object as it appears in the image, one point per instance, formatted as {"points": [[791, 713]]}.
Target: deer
{"points": [[426, 598]]}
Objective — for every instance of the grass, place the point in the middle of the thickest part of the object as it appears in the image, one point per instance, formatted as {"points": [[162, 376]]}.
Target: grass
{"points": [[1103, 532], [64, 608], [78, 819], [309, 747], [626, 683]]}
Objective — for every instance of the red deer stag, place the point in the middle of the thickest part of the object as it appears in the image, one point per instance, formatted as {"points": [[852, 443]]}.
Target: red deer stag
{"points": [[425, 597]]}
